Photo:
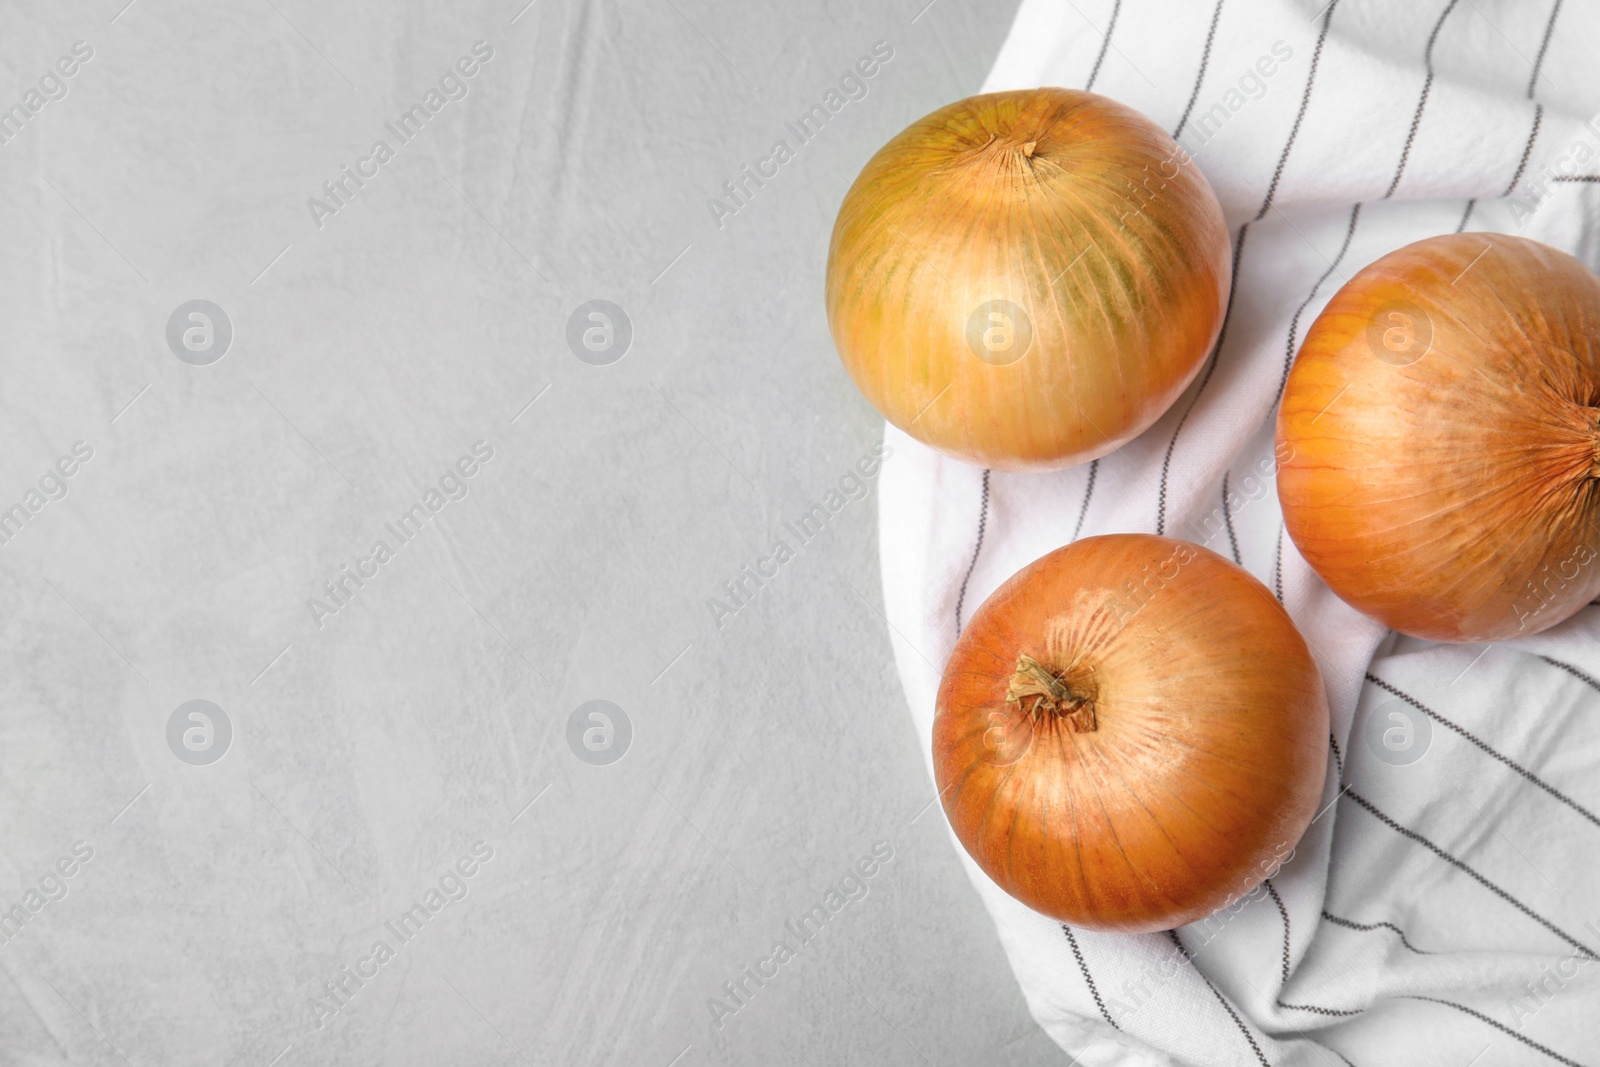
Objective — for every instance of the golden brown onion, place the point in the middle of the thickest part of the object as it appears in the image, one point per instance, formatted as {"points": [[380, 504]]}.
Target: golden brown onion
{"points": [[1440, 428], [1027, 280], [1130, 734]]}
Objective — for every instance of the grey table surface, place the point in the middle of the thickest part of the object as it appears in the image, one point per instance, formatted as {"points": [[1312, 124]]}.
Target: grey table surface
{"points": [[388, 754]]}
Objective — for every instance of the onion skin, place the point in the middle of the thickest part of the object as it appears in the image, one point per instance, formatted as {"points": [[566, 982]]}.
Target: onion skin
{"points": [[1441, 470], [1074, 208], [1207, 755]]}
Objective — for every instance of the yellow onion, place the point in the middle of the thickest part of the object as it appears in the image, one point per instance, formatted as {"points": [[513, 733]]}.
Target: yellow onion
{"points": [[1130, 734], [1440, 427], [1027, 280]]}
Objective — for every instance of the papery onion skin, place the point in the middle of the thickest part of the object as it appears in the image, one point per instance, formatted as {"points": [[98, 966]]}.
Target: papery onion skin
{"points": [[1440, 470], [1207, 755], [1073, 208]]}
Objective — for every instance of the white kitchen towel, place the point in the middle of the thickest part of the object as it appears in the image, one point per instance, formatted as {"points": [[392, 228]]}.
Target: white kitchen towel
{"points": [[1440, 911]]}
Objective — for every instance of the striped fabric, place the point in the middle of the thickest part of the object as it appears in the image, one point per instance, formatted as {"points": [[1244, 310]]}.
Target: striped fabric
{"points": [[1445, 906]]}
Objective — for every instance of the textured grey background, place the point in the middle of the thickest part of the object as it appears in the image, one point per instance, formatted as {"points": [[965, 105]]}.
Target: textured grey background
{"points": [[371, 751]]}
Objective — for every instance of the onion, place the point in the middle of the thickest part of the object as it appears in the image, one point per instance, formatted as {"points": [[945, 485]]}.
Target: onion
{"points": [[1130, 734], [1027, 280], [1440, 421]]}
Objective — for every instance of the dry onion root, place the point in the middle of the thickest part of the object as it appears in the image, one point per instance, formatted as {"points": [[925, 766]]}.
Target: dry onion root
{"points": [[1131, 734], [1441, 423], [1027, 280]]}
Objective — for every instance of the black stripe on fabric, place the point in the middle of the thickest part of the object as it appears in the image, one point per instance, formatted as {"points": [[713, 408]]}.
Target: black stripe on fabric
{"points": [[1116, 9], [1211, 366], [1305, 100], [1470, 872], [1422, 101], [1199, 79], [1558, 1057], [1544, 46], [1367, 927], [1277, 566], [1338, 757], [1227, 522], [1575, 672], [1283, 911], [1243, 1029], [1294, 323], [1083, 512], [1538, 113], [1319, 1010], [1238, 249], [1527, 150], [1350, 230], [1513, 764], [1576, 178], [983, 520], [1094, 990], [1323, 1011], [1527, 154]]}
